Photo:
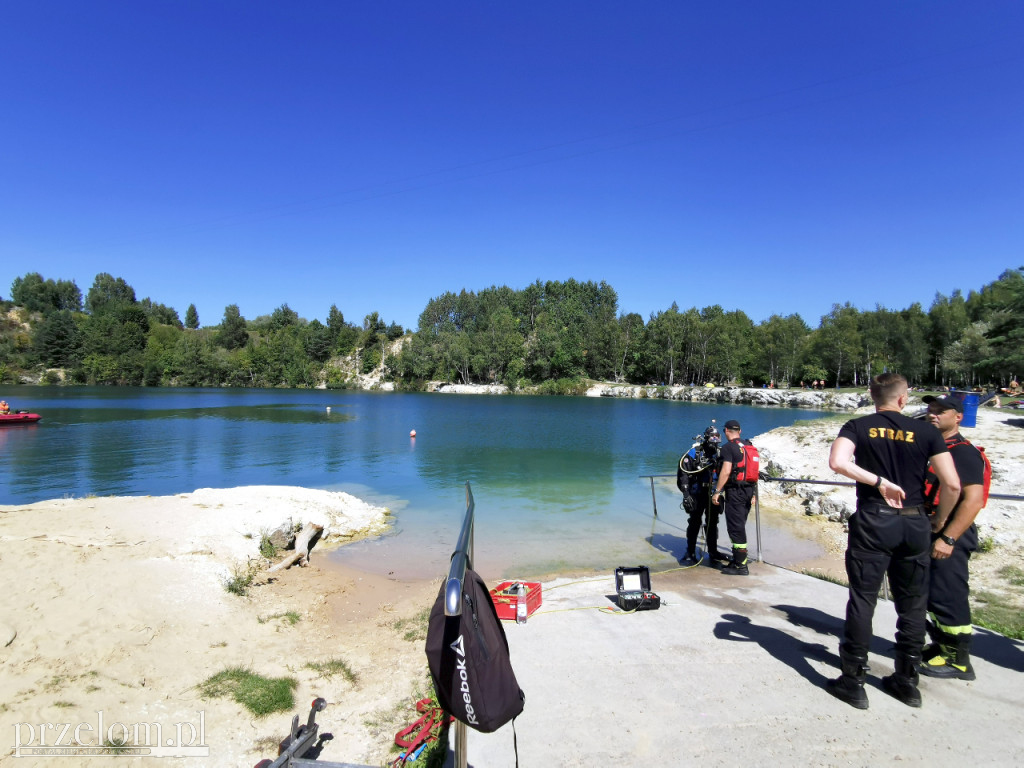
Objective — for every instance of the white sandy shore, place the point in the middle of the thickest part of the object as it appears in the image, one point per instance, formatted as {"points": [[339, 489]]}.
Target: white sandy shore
{"points": [[118, 605]]}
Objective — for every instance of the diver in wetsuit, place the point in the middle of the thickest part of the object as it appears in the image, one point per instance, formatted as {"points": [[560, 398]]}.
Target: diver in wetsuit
{"points": [[695, 478]]}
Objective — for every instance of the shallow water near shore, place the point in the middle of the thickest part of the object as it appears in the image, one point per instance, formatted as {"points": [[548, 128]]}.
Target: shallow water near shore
{"points": [[557, 481]]}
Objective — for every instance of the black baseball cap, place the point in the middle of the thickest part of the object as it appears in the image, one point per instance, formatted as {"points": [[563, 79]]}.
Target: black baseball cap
{"points": [[952, 400], [732, 424]]}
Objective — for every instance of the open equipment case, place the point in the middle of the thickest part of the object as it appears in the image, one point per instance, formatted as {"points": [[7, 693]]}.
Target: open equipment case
{"points": [[633, 589]]}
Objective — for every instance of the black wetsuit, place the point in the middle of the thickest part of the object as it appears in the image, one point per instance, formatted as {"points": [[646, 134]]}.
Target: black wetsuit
{"points": [[696, 479], [885, 539]]}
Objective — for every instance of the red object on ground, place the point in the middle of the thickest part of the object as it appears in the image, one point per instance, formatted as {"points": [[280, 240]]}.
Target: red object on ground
{"points": [[19, 418], [505, 604]]}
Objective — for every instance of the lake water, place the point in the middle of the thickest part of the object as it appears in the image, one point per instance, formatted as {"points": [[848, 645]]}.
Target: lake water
{"points": [[556, 479]]}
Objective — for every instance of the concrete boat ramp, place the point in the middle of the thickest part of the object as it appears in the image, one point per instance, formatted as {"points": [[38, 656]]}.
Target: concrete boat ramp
{"points": [[730, 671]]}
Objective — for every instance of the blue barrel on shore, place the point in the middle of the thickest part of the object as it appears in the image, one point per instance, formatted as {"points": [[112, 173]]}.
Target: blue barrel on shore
{"points": [[970, 409]]}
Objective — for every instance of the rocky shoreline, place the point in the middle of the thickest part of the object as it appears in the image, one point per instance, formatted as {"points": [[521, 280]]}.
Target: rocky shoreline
{"points": [[782, 398]]}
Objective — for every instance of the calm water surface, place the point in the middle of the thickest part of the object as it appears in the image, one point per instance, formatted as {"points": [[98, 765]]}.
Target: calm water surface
{"points": [[556, 480]]}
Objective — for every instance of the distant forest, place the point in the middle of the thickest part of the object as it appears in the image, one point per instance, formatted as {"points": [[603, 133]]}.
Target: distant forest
{"points": [[554, 335]]}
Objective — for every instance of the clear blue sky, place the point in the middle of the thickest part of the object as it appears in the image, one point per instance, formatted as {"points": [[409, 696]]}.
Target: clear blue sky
{"points": [[774, 157]]}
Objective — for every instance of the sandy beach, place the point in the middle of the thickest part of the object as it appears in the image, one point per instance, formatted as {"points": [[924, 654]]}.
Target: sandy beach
{"points": [[117, 605]]}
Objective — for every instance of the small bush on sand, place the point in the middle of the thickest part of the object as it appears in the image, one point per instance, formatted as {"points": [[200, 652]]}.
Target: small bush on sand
{"points": [[242, 577], [267, 548]]}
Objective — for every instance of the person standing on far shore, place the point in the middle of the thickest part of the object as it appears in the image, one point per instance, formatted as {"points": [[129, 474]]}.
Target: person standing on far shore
{"points": [[955, 539], [888, 454]]}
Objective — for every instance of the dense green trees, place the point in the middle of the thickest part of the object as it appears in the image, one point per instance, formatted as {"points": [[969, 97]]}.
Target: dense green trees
{"points": [[565, 330], [38, 295], [233, 333], [1004, 301], [547, 332]]}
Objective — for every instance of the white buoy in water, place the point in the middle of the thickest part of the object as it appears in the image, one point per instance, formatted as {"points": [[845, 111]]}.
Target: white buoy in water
{"points": [[413, 433]]}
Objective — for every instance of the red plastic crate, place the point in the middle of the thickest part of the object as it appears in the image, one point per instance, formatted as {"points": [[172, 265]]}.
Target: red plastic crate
{"points": [[505, 604]]}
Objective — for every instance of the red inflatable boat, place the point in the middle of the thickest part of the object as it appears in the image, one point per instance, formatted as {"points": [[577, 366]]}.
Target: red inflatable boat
{"points": [[21, 417]]}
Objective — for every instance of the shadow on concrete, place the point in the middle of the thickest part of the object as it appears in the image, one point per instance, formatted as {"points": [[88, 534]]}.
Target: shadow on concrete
{"points": [[998, 649], [668, 543], [781, 645], [827, 624]]}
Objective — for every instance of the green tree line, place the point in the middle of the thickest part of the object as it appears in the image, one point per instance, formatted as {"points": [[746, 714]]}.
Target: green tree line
{"points": [[113, 338], [549, 332]]}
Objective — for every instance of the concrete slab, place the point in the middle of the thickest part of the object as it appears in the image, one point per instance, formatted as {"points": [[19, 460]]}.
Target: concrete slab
{"points": [[730, 671]]}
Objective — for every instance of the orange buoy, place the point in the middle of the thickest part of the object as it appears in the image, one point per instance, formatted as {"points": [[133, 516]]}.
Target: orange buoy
{"points": [[413, 433]]}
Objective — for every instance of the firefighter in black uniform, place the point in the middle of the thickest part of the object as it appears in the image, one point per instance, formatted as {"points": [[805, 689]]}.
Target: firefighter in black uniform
{"points": [[887, 454], [737, 498], [954, 539]]}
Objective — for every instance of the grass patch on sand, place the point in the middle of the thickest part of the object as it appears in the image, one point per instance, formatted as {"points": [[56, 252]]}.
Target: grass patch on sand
{"points": [[333, 667], [117, 745], [998, 613], [291, 617], [1012, 574], [413, 628], [260, 695], [826, 577]]}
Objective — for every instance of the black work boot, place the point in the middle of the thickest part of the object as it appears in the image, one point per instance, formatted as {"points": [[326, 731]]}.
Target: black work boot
{"points": [[738, 566], [902, 683], [718, 560], [935, 646], [954, 660], [849, 686], [690, 559]]}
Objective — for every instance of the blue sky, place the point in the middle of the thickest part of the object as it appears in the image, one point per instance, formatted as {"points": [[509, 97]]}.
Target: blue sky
{"points": [[771, 157]]}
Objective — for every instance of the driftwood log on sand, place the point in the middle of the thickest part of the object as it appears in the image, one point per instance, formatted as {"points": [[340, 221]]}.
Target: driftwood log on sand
{"points": [[303, 541]]}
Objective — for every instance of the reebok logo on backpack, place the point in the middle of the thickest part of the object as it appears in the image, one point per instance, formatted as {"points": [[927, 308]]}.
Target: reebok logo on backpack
{"points": [[469, 660]]}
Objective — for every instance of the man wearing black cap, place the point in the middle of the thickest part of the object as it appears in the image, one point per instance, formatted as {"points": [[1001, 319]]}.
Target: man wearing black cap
{"points": [[954, 539], [738, 495], [887, 454]]}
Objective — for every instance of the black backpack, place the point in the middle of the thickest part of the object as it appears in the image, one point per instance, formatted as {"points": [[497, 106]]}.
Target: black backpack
{"points": [[469, 661]]}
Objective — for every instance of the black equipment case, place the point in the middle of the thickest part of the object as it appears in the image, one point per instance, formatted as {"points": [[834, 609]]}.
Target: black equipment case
{"points": [[633, 586]]}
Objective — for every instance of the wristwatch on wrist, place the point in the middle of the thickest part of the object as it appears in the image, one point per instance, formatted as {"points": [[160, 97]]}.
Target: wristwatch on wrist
{"points": [[878, 482], [948, 539]]}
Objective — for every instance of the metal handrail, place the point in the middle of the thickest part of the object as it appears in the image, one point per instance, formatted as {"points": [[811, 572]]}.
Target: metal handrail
{"points": [[807, 481], [765, 478], [462, 558]]}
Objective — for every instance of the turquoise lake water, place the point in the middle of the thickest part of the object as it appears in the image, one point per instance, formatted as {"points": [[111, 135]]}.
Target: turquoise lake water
{"points": [[556, 480]]}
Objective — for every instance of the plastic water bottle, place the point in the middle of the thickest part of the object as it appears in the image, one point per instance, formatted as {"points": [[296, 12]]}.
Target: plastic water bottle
{"points": [[520, 603]]}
